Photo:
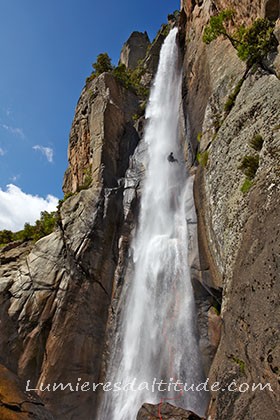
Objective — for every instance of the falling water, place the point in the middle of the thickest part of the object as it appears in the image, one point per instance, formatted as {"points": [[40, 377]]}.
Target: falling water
{"points": [[156, 335]]}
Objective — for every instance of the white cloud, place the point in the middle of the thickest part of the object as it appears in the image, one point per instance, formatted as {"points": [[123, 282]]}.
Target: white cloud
{"points": [[46, 151], [17, 207], [14, 178], [2, 152], [14, 130]]}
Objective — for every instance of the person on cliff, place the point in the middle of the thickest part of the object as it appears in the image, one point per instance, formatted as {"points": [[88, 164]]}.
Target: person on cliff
{"points": [[171, 158]]}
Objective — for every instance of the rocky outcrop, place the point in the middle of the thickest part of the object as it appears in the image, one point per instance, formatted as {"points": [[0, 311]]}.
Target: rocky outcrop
{"points": [[167, 411], [134, 49], [238, 231], [102, 134], [16, 403]]}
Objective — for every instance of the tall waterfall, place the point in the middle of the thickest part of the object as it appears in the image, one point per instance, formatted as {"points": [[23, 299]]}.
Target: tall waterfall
{"points": [[156, 334]]}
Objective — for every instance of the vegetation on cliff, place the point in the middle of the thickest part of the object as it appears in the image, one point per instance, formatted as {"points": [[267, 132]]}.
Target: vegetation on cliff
{"points": [[250, 163], [130, 79], [42, 227], [252, 43]]}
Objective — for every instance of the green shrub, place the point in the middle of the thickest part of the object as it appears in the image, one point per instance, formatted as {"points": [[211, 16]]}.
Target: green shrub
{"points": [[217, 307], [6, 236], [216, 26], [91, 77], [44, 226], [252, 43], [135, 77], [130, 79], [165, 30], [102, 64], [240, 363], [249, 166], [247, 184], [198, 137], [256, 142], [135, 117], [255, 42], [202, 158], [28, 232], [122, 74]]}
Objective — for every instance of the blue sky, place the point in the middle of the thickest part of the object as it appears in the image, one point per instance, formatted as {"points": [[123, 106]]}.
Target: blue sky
{"points": [[47, 48]]}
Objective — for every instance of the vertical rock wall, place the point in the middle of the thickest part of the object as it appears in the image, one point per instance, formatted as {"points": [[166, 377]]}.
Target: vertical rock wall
{"points": [[238, 231]]}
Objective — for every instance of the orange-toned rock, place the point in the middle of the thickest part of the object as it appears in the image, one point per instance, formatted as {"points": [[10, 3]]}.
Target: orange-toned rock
{"points": [[16, 403]]}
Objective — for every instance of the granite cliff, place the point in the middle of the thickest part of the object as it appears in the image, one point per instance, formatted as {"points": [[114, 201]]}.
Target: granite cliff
{"points": [[59, 297], [238, 231]]}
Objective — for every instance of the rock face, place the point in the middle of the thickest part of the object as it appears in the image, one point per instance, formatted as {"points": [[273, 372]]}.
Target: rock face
{"points": [[134, 49], [167, 411], [243, 231], [102, 134], [16, 403], [150, 62], [238, 231]]}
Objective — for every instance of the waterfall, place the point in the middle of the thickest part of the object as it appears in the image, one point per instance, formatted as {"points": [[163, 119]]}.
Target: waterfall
{"points": [[156, 334]]}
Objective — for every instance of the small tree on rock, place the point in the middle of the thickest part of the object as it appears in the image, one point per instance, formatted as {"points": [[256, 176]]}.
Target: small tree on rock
{"points": [[102, 64], [252, 43], [217, 27]]}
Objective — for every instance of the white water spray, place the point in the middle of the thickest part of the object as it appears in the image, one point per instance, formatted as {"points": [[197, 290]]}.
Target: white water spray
{"points": [[156, 331]]}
